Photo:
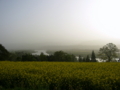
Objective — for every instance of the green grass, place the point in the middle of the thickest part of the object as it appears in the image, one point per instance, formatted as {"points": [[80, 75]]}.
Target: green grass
{"points": [[59, 76]]}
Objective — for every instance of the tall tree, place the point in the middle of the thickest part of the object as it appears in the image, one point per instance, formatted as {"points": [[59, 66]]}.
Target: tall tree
{"points": [[108, 52], [93, 57], [4, 54]]}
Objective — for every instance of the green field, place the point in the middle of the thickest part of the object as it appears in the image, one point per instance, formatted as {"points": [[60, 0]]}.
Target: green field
{"points": [[59, 76]]}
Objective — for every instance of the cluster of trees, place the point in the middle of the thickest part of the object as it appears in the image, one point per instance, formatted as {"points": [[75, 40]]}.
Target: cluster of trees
{"points": [[57, 56], [22, 56], [107, 52], [88, 59], [4, 54]]}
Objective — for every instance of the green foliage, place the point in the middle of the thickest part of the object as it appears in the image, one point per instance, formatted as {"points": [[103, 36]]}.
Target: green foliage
{"points": [[13, 57], [43, 57], [77, 52], [28, 57], [108, 52], [4, 54], [59, 76], [93, 57], [62, 56], [87, 59], [84, 59], [80, 59], [58, 56], [17, 55]]}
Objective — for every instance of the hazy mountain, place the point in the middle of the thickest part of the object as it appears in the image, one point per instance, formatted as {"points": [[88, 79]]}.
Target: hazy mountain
{"points": [[93, 44]]}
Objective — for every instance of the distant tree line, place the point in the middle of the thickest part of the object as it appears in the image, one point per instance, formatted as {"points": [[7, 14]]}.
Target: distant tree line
{"points": [[22, 56], [108, 53], [57, 56]]}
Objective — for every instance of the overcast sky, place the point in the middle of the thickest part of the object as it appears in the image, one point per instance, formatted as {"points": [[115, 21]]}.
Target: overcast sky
{"points": [[58, 22]]}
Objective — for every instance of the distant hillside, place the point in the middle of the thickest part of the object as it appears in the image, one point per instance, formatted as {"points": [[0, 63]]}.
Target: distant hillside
{"points": [[93, 44]]}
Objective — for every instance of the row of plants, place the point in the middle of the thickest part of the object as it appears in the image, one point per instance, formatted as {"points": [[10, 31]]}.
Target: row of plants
{"points": [[59, 75]]}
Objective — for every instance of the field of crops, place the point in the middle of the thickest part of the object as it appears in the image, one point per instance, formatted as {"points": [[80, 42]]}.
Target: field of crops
{"points": [[59, 76]]}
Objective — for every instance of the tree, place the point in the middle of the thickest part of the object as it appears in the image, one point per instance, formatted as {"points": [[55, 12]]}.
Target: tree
{"points": [[50, 58], [93, 57], [4, 54], [62, 56], [59, 56], [43, 57], [108, 52], [13, 57], [80, 59], [87, 58], [84, 59]]}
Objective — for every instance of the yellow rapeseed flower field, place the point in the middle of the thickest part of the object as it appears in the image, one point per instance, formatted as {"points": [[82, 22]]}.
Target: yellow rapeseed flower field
{"points": [[60, 75]]}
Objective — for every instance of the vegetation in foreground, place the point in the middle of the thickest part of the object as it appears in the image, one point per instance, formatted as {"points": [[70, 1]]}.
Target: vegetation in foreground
{"points": [[59, 76]]}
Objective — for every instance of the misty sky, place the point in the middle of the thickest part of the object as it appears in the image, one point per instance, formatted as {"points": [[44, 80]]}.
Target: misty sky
{"points": [[58, 22]]}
